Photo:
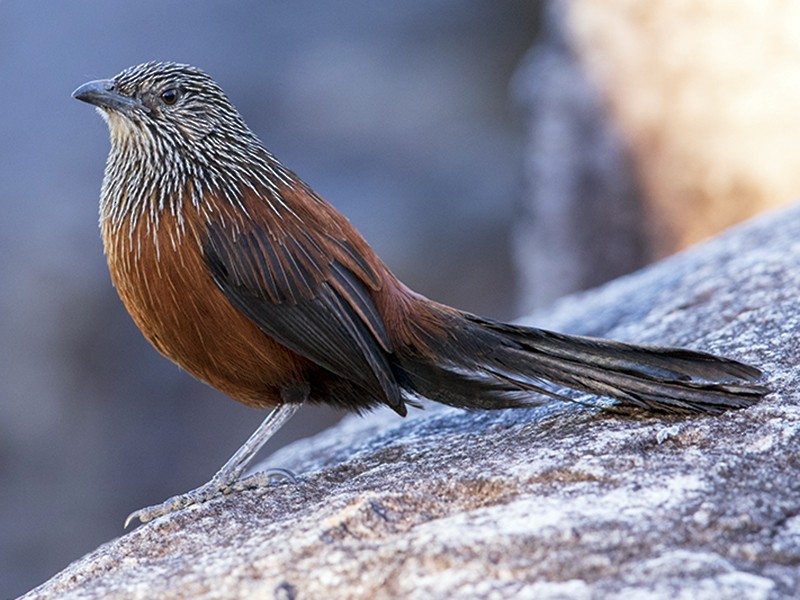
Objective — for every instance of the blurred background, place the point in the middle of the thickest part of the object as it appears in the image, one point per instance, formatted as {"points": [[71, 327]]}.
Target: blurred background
{"points": [[497, 155]]}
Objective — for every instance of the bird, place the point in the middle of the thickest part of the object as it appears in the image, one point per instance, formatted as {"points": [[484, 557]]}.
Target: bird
{"points": [[236, 270]]}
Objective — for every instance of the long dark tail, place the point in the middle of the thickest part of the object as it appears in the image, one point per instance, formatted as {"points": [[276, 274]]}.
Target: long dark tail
{"points": [[486, 364]]}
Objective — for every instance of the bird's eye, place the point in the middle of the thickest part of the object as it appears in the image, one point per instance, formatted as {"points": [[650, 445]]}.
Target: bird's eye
{"points": [[170, 96]]}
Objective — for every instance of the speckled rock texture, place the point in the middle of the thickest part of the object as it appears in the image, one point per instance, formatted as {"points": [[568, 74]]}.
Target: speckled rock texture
{"points": [[561, 501]]}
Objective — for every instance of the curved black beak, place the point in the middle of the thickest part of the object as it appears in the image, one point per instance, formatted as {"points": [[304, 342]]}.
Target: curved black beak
{"points": [[101, 93]]}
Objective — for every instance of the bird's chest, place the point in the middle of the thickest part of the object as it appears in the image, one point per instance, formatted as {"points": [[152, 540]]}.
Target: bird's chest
{"points": [[161, 277]]}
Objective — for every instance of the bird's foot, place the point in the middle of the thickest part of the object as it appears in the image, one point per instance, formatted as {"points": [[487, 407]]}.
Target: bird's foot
{"points": [[214, 488]]}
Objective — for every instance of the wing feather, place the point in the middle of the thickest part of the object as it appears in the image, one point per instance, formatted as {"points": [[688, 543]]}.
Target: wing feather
{"points": [[308, 300]]}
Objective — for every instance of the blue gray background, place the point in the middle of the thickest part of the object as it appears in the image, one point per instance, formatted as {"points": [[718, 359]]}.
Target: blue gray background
{"points": [[399, 113]]}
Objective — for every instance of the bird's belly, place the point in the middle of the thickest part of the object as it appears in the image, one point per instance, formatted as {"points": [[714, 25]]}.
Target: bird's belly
{"points": [[175, 303]]}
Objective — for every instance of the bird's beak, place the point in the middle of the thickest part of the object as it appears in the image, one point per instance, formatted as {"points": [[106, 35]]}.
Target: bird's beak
{"points": [[102, 94]]}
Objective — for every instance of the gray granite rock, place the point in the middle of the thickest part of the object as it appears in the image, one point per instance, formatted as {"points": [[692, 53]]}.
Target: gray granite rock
{"points": [[560, 501]]}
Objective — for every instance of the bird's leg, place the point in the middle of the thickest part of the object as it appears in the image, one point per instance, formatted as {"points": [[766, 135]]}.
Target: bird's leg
{"points": [[227, 478]]}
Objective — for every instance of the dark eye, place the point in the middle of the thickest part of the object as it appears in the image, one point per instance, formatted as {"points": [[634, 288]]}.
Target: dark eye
{"points": [[170, 96]]}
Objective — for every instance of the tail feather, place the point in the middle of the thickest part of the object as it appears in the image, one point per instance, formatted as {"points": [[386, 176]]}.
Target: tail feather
{"points": [[487, 364]]}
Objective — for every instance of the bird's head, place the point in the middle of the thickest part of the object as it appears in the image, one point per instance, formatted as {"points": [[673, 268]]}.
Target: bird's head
{"points": [[164, 103], [172, 130]]}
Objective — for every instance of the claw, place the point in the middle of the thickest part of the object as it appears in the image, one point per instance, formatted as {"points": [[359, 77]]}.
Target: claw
{"points": [[143, 514], [269, 475], [131, 517], [263, 479]]}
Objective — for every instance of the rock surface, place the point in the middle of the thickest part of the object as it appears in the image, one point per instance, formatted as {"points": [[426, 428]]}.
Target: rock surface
{"points": [[560, 501]]}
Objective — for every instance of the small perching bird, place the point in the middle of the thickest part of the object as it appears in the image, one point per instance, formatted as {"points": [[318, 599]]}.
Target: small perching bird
{"points": [[237, 271]]}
